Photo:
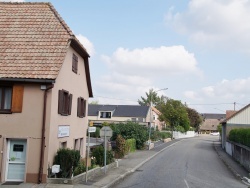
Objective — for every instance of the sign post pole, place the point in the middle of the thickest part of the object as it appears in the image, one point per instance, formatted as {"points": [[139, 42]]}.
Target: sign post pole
{"points": [[90, 130], [105, 151]]}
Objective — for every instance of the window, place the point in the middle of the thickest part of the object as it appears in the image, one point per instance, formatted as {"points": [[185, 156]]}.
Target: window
{"points": [[5, 98], [63, 145], [74, 63], [105, 115], [64, 102], [81, 107], [11, 99], [77, 144]]}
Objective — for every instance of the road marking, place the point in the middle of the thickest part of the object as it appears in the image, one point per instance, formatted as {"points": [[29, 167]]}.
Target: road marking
{"points": [[186, 183]]}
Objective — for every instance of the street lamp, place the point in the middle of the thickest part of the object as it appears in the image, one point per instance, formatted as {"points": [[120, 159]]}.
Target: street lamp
{"points": [[150, 124]]}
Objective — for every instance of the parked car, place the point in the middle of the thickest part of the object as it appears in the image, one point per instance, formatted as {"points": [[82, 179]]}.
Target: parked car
{"points": [[215, 134]]}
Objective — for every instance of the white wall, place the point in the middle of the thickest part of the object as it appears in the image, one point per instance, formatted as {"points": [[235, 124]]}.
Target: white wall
{"points": [[188, 134]]}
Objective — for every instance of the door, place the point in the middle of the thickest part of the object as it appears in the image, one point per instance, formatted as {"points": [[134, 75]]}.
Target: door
{"points": [[16, 158]]}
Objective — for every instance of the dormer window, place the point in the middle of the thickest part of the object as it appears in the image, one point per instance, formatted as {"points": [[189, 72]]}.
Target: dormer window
{"points": [[105, 115], [74, 63]]}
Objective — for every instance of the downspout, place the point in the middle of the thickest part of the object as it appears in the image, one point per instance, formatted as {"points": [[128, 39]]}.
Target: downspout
{"points": [[40, 177]]}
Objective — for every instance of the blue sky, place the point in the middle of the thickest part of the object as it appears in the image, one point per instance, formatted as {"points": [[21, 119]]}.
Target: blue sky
{"points": [[198, 49]]}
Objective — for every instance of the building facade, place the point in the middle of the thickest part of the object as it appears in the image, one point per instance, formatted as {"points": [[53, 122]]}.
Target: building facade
{"points": [[44, 90]]}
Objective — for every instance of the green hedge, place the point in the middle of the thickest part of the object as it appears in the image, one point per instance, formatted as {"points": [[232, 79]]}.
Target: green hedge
{"points": [[241, 136], [130, 145]]}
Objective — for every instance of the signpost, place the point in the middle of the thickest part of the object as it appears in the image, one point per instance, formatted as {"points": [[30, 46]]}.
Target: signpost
{"points": [[90, 130], [105, 132]]}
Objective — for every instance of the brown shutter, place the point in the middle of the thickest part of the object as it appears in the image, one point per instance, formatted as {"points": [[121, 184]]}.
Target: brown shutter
{"points": [[60, 102], [84, 108], [70, 104], [17, 99], [78, 107]]}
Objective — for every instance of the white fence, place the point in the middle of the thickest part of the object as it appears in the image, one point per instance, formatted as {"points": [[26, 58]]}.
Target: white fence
{"points": [[187, 134]]}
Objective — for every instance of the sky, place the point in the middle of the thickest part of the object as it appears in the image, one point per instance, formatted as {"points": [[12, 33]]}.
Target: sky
{"points": [[198, 49]]}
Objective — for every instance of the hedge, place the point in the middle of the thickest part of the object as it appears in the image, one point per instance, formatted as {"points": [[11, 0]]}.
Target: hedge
{"points": [[241, 136]]}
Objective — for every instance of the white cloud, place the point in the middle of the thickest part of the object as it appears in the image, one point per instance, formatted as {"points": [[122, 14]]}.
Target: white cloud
{"points": [[224, 91], [149, 62], [87, 44], [214, 23]]}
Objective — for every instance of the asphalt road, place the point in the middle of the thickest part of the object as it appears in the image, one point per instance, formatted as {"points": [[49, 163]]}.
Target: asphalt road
{"points": [[190, 163]]}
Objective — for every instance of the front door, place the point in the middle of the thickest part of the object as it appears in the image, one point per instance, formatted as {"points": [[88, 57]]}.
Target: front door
{"points": [[16, 159]]}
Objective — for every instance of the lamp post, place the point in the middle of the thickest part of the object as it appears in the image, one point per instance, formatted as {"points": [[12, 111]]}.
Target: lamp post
{"points": [[150, 124]]}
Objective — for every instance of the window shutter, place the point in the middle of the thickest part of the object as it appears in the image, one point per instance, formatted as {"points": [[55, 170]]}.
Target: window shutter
{"points": [[60, 102], [17, 99], [78, 107], [84, 108], [70, 104]]}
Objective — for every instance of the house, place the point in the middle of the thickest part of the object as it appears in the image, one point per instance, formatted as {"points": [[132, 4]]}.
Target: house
{"points": [[156, 123], [99, 114], [44, 88], [210, 122], [236, 119]]}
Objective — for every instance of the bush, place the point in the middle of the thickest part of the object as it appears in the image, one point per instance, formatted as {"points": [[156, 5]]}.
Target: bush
{"points": [[120, 146], [81, 168], [98, 153], [130, 145], [180, 129], [96, 134], [165, 135], [241, 136], [131, 130], [67, 159]]}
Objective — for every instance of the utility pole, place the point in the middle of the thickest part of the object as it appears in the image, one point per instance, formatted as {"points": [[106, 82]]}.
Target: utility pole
{"points": [[234, 105]]}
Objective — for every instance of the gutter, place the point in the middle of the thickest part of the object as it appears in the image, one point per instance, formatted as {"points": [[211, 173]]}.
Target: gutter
{"points": [[40, 177], [28, 80]]}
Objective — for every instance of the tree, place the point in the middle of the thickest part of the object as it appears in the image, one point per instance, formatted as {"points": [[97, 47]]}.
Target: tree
{"points": [[174, 113], [194, 118], [150, 96], [94, 102]]}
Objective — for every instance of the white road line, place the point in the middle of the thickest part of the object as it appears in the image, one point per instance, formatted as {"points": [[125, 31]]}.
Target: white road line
{"points": [[186, 183]]}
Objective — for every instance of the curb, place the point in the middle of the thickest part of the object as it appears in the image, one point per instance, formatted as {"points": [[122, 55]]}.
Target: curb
{"points": [[138, 166]]}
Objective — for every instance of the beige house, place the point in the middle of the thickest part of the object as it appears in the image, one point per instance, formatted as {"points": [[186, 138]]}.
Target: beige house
{"points": [[156, 123], [99, 114], [44, 88]]}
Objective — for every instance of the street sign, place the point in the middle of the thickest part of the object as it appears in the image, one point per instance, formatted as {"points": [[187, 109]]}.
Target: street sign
{"points": [[92, 129], [106, 131]]}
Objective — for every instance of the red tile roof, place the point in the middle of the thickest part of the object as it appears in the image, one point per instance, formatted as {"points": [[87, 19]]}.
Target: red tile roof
{"points": [[33, 41]]}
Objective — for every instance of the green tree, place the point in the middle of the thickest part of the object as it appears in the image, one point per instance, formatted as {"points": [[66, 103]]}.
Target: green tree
{"points": [[94, 102], [150, 96], [194, 118], [174, 113]]}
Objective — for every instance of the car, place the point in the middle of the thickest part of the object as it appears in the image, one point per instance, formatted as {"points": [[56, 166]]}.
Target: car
{"points": [[215, 134]]}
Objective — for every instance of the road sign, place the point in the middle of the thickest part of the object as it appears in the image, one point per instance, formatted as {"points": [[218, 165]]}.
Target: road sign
{"points": [[106, 131], [92, 129]]}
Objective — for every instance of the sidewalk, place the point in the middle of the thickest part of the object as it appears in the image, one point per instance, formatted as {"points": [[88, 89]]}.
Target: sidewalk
{"points": [[239, 171], [132, 162], [127, 165]]}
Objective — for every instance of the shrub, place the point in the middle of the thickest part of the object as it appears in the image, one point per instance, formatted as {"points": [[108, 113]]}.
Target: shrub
{"points": [[81, 168], [68, 160], [241, 136], [180, 129], [130, 145], [120, 146], [165, 135], [98, 153], [131, 130]]}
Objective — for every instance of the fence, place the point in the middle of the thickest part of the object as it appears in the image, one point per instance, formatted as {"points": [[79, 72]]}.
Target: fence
{"points": [[187, 134]]}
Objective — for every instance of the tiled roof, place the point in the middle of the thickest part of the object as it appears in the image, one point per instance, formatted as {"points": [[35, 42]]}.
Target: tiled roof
{"points": [[119, 110], [213, 116], [33, 41]]}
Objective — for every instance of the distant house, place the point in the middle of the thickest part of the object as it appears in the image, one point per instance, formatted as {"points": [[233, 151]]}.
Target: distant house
{"points": [[156, 123], [210, 122], [44, 88], [99, 114], [239, 119]]}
